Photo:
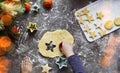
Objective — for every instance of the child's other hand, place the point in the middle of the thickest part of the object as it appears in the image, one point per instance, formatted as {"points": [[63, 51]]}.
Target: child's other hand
{"points": [[66, 48]]}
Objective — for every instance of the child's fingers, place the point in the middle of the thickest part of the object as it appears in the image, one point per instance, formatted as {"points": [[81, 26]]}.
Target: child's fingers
{"points": [[60, 46]]}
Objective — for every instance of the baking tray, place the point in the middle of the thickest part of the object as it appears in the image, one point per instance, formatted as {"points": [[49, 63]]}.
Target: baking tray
{"points": [[110, 10]]}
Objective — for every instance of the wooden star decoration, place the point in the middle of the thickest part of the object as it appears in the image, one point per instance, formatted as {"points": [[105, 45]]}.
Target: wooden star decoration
{"points": [[32, 26], [85, 11], [80, 20], [61, 62], [89, 18], [102, 32], [78, 14], [35, 7], [46, 68], [92, 34], [87, 28], [50, 46], [100, 15]]}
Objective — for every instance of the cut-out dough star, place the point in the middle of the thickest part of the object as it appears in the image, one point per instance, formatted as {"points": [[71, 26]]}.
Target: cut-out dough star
{"points": [[89, 18], [87, 28], [35, 7], [61, 62], [80, 20], [46, 68], [32, 26], [102, 32], [85, 11], [92, 34], [78, 14], [50, 46], [100, 15]]}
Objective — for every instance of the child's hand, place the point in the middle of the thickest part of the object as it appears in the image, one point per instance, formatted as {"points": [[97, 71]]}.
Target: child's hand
{"points": [[66, 48]]}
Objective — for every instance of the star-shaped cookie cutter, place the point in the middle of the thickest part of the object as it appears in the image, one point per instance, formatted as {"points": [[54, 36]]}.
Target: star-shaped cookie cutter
{"points": [[61, 62], [35, 7], [32, 27], [50, 46]]}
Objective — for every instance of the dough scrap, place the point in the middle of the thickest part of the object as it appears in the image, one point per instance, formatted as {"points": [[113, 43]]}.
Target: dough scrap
{"points": [[108, 25], [57, 37], [117, 21]]}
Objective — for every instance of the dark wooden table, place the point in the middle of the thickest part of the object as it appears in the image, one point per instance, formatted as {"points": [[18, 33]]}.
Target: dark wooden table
{"points": [[60, 16]]}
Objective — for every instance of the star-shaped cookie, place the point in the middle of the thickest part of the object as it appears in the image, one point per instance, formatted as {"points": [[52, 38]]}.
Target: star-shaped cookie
{"points": [[85, 11], [87, 28], [89, 18], [32, 26], [100, 15], [80, 20], [98, 26], [78, 14], [61, 62], [46, 68], [117, 21], [35, 7], [92, 34], [50, 46], [102, 32]]}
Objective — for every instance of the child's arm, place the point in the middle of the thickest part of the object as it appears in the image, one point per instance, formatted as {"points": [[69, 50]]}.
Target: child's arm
{"points": [[67, 49]]}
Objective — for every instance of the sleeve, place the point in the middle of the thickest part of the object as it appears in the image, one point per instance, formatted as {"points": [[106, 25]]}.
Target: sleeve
{"points": [[76, 65]]}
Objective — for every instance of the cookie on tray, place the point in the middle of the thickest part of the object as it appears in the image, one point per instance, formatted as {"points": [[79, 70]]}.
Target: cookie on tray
{"points": [[100, 15], [108, 25], [117, 21]]}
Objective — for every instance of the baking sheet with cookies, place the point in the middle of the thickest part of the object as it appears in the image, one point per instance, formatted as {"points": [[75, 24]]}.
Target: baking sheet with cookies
{"points": [[99, 18]]}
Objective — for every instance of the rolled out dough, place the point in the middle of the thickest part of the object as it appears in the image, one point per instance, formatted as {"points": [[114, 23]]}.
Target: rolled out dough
{"points": [[56, 37]]}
